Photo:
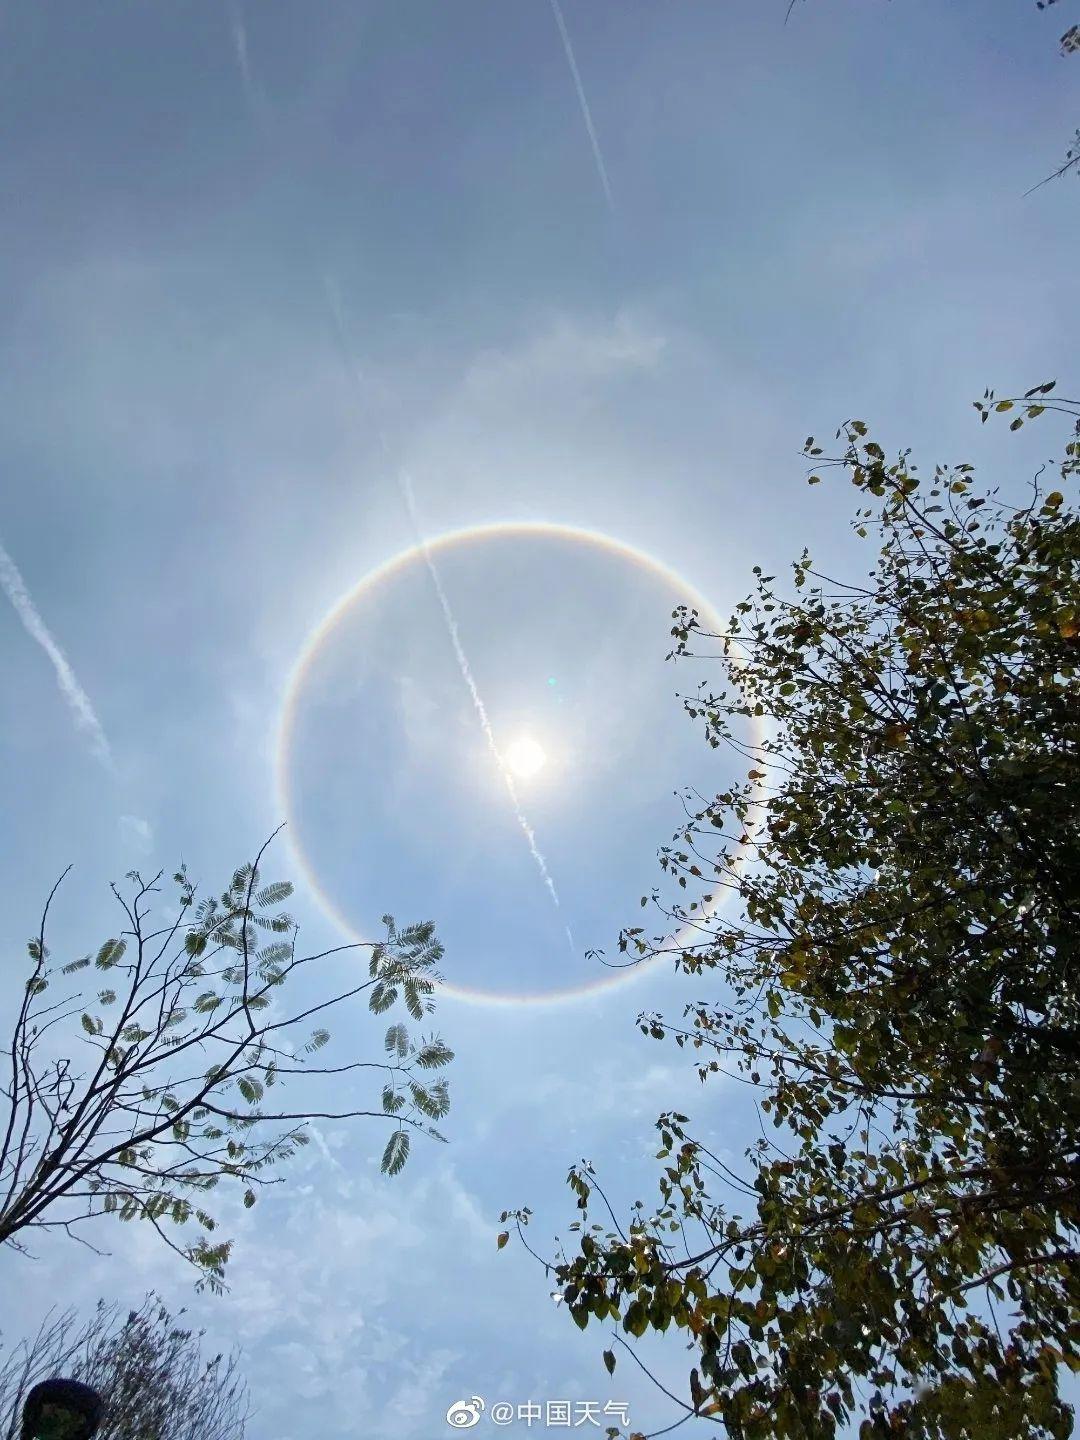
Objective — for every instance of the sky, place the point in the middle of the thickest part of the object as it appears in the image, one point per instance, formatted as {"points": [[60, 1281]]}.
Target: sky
{"points": [[558, 292]]}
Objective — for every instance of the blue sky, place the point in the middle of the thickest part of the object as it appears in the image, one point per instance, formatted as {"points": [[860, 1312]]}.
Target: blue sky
{"points": [[263, 261]]}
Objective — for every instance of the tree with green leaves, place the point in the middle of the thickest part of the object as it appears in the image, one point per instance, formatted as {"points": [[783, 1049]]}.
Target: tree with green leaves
{"points": [[145, 1124], [149, 1372], [902, 997]]}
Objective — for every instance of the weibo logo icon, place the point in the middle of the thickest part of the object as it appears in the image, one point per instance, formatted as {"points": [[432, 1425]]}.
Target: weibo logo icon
{"points": [[464, 1414]]}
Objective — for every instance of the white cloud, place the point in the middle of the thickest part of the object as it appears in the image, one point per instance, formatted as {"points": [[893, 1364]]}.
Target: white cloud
{"points": [[137, 832], [243, 61], [569, 352]]}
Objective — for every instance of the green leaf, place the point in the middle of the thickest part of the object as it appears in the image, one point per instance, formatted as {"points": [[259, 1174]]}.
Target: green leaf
{"points": [[382, 997], [273, 894], [432, 1054], [413, 1003], [397, 1041], [503, 1238], [396, 1152], [110, 954]]}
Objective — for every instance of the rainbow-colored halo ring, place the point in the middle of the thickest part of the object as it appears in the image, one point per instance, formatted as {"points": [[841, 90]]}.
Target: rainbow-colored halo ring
{"points": [[497, 530]]}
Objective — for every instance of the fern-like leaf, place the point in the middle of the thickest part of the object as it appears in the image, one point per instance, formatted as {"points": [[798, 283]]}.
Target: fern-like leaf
{"points": [[382, 997], [110, 954], [433, 1053], [397, 1041], [413, 1003], [273, 894], [396, 1152], [433, 1103], [275, 954]]}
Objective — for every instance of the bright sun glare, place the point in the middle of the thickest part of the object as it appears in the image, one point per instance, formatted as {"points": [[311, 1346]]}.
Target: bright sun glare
{"points": [[524, 756]]}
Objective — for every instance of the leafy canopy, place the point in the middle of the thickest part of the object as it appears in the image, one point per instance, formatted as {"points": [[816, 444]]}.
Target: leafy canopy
{"points": [[146, 1130], [904, 995]]}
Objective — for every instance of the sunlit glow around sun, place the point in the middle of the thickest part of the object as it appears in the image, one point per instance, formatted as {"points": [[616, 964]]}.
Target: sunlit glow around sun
{"points": [[524, 757]]}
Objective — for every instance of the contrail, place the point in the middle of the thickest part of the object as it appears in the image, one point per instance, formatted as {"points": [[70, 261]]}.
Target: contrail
{"points": [[585, 112], [333, 298], [70, 688], [478, 704]]}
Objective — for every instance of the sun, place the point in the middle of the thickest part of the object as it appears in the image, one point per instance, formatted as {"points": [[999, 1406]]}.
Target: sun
{"points": [[524, 757]]}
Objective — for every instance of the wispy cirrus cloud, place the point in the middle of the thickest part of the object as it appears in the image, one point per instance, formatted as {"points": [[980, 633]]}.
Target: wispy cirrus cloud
{"points": [[79, 702], [137, 832], [252, 94]]}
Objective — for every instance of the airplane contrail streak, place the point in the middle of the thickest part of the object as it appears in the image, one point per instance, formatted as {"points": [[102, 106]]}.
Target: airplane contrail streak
{"points": [[586, 114], [85, 717], [356, 375], [478, 704], [333, 298]]}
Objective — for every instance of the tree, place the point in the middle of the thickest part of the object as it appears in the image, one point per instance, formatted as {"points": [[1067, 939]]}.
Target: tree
{"points": [[146, 1125], [149, 1372], [904, 996]]}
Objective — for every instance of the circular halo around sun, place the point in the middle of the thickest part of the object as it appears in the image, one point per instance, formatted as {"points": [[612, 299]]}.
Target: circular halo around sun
{"points": [[523, 756]]}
